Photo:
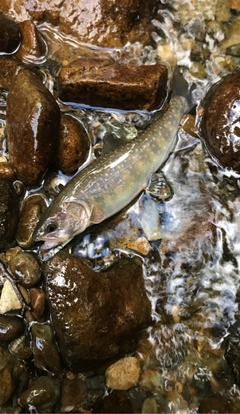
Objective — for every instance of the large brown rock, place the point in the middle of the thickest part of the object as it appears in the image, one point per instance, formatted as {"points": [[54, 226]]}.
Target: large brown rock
{"points": [[95, 315], [33, 120], [100, 22], [102, 83], [8, 70], [221, 122]]}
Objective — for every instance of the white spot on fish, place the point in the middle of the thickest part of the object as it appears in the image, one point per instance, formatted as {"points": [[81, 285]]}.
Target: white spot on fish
{"points": [[119, 160]]}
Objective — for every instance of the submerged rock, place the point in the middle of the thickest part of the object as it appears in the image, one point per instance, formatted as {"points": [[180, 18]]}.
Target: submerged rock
{"points": [[102, 83], [95, 315], [33, 119], [97, 22], [10, 37], [220, 122], [123, 374]]}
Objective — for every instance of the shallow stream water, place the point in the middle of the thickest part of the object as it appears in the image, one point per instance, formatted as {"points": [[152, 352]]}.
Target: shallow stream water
{"points": [[191, 355]]}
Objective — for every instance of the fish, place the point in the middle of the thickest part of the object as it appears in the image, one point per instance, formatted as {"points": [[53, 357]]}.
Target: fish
{"points": [[111, 182]]}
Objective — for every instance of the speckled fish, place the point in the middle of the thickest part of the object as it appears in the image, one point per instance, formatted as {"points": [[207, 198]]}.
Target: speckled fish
{"points": [[110, 183]]}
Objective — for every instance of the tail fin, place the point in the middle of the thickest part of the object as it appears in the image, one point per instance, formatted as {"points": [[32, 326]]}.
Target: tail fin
{"points": [[181, 87]]}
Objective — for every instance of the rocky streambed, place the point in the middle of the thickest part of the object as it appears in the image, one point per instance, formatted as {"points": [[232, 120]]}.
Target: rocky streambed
{"points": [[141, 312]]}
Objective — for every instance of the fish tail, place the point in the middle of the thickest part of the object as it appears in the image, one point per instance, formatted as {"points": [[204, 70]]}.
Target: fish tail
{"points": [[181, 87]]}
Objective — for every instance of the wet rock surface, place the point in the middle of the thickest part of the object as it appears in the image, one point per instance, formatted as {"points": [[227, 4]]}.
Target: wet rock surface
{"points": [[8, 370], [221, 122], [95, 315], [124, 374], [10, 36], [31, 210], [45, 350], [8, 70], [102, 83], [43, 393], [11, 327], [33, 120], [73, 145], [100, 23], [32, 48], [26, 269], [9, 206]]}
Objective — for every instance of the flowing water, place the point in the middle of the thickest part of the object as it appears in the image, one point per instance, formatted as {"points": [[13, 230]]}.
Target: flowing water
{"points": [[191, 353]]}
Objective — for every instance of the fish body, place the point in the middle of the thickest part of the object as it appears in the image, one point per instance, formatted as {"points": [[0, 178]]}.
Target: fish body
{"points": [[110, 183]]}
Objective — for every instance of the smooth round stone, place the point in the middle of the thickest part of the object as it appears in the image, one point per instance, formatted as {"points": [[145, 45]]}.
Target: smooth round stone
{"points": [[10, 37], [220, 124], [11, 327], [26, 269], [42, 394]]}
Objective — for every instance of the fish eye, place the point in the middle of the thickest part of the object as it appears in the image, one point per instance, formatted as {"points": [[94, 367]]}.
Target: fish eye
{"points": [[51, 227]]}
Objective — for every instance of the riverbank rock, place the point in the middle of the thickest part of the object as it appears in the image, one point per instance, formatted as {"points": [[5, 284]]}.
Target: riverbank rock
{"points": [[33, 120], [102, 83], [95, 315], [220, 122], [9, 206], [99, 22]]}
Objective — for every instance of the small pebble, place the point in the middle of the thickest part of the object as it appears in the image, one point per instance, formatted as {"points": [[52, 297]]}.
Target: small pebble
{"points": [[43, 393], [25, 268], [11, 327], [124, 374]]}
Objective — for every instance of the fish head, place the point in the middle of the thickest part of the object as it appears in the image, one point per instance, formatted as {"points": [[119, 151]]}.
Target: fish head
{"points": [[61, 223]]}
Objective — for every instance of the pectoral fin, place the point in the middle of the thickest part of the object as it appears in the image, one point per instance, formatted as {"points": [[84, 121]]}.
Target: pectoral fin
{"points": [[97, 215]]}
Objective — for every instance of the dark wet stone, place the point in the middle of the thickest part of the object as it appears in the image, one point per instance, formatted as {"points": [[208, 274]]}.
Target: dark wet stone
{"points": [[73, 391], [95, 315], [45, 350], [32, 209], [9, 207], [101, 83], [233, 50], [32, 47], [220, 122], [43, 393], [37, 299], [115, 402], [26, 269], [8, 70], [10, 37], [8, 370], [33, 119], [73, 145], [20, 347], [214, 404], [11, 327], [100, 23]]}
